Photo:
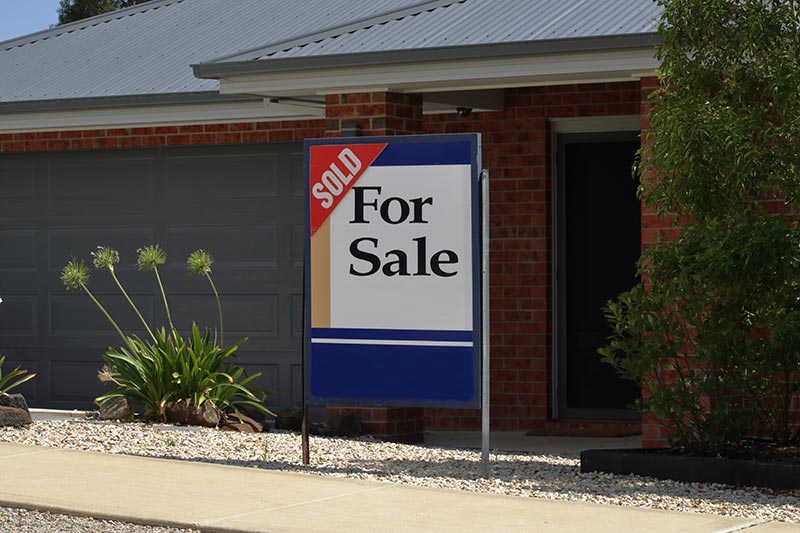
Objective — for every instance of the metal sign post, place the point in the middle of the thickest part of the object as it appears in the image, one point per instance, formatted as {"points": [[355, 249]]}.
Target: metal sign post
{"points": [[485, 404], [305, 422]]}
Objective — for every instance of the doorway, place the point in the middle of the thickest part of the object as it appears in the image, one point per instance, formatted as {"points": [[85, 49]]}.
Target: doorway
{"points": [[597, 243]]}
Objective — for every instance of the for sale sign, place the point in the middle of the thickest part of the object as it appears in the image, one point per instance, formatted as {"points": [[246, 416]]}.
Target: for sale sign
{"points": [[393, 271]]}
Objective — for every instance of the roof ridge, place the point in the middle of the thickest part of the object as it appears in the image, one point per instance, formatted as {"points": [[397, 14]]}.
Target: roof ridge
{"points": [[425, 5], [60, 29]]}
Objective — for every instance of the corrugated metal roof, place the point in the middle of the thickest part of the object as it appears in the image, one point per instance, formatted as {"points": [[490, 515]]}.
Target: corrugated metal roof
{"points": [[480, 22], [148, 49]]}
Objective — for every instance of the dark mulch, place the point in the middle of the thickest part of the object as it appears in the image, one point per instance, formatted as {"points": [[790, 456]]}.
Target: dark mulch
{"points": [[757, 450]]}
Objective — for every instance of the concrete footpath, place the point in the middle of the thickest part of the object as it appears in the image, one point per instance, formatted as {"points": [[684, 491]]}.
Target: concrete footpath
{"points": [[227, 498]]}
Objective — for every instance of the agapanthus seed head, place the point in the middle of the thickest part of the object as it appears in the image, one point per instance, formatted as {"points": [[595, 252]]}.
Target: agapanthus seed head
{"points": [[199, 262], [105, 374], [105, 257], [75, 274], [150, 257]]}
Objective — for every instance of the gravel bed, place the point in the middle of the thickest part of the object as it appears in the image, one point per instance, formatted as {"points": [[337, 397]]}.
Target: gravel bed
{"points": [[13, 520], [554, 477]]}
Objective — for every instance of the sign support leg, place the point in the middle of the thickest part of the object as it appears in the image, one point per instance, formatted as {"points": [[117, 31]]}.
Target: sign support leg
{"points": [[485, 471], [304, 424]]}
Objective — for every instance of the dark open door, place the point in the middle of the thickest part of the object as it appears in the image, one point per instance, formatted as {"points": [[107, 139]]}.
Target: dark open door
{"points": [[598, 240]]}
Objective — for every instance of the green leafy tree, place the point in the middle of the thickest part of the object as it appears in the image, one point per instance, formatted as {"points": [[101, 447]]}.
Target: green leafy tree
{"points": [[73, 10], [713, 332]]}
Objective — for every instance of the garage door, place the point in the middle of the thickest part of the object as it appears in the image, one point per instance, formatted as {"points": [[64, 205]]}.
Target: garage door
{"points": [[244, 204]]}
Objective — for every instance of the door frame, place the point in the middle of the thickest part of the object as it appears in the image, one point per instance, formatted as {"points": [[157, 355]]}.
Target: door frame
{"points": [[563, 131]]}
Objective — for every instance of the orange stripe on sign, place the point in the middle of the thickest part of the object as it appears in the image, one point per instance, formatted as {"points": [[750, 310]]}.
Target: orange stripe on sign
{"points": [[321, 277], [334, 169]]}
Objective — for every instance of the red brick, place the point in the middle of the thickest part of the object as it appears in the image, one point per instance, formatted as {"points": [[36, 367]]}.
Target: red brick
{"points": [[56, 145], [203, 138], [174, 140], [280, 136], [153, 141], [35, 146], [166, 130], [254, 137], [106, 143], [129, 142], [229, 138]]}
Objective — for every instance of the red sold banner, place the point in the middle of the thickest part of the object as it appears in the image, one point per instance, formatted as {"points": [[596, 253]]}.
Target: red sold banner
{"points": [[334, 170]]}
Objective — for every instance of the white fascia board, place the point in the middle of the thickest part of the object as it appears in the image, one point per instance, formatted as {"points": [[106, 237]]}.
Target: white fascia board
{"points": [[150, 116], [428, 76]]}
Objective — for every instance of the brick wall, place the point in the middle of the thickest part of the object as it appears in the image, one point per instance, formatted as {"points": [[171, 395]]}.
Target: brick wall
{"points": [[378, 113], [654, 229], [393, 424], [515, 150], [236, 133]]}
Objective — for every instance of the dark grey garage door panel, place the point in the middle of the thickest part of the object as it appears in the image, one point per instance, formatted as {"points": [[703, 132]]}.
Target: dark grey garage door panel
{"points": [[17, 180], [244, 204], [20, 252], [100, 180], [20, 316], [255, 246], [197, 178], [74, 315]]}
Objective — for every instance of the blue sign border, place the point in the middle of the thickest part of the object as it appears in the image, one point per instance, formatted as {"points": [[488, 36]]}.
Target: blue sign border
{"points": [[433, 376]]}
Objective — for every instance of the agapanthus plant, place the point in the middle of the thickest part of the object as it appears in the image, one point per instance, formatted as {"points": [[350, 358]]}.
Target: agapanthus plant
{"points": [[199, 263], [75, 275], [12, 379], [167, 369], [149, 259], [106, 257]]}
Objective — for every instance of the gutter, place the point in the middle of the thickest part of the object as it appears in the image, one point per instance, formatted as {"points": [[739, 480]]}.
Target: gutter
{"points": [[112, 102], [218, 70]]}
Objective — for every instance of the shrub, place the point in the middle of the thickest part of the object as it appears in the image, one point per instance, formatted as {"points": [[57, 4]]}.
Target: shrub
{"points": [[13, 379], [713, 332], [164, 368]]}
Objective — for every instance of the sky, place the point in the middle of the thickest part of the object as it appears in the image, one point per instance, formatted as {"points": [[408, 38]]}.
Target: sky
{"points": [[21, 17]]}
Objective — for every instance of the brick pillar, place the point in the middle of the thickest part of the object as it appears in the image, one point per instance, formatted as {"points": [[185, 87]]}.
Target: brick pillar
{"points": [[395, 424], [378, 113], [654, 434], [374, 113]]}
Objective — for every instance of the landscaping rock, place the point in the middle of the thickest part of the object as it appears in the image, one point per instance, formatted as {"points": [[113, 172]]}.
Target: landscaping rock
{"points": [[237, 427], [13, 400], [12, 416], [346, 425], [253, 413], [183, 412], [245, 425], [319, 429], [114, 409], [290, 419]]}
